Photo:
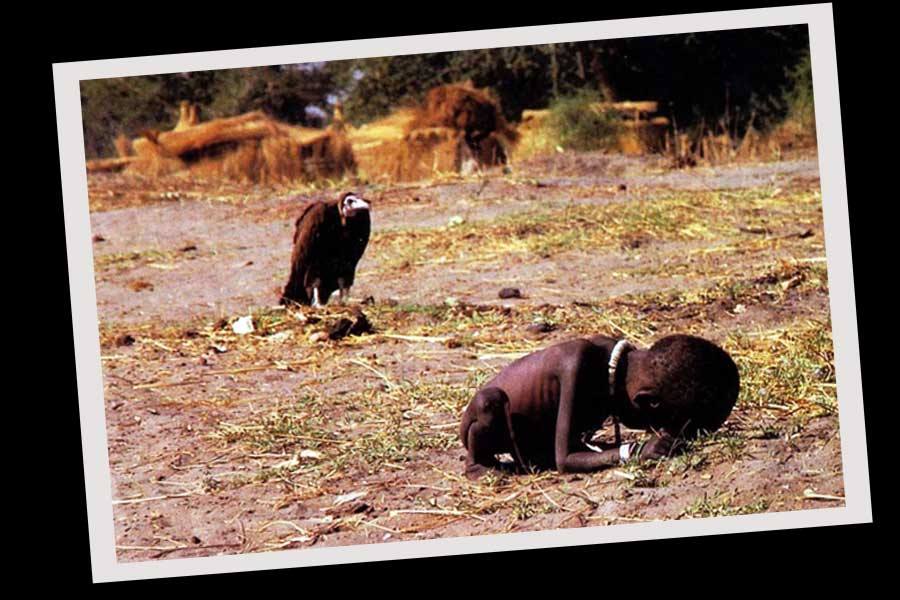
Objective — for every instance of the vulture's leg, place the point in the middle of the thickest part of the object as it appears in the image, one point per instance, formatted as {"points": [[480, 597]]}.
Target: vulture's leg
{"points": [[315, 298], [343, 291]]}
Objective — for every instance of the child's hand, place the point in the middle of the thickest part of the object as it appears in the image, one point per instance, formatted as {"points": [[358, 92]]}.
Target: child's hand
{"points": [[659, 446]]}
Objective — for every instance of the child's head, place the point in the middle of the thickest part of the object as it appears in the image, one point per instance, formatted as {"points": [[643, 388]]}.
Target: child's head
{"points": [[684, 384]]}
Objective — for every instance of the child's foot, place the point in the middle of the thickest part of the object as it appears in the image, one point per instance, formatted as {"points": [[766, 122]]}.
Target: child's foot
{"points": [[476, 471]]}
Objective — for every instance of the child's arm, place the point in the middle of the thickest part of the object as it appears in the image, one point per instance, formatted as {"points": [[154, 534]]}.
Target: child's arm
{"points": [[659, 446], [577, 382], [587, 461]]}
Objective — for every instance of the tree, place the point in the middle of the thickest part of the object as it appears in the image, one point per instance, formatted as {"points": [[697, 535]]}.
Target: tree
{"points": [[701, 79], [127, 105], [718, 80]]}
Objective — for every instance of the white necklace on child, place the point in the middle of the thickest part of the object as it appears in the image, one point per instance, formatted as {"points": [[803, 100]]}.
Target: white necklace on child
{"points": [[614, 357]]}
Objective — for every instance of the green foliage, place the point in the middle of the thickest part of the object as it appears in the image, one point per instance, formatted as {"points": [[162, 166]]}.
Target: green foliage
{"points": [[285, 92], [128, 105], [729, 78], [579, 126], [521, 76], [113, 106], [798, 95]]}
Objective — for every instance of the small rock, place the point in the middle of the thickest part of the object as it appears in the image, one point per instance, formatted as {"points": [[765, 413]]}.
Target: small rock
{"points": [[541, 327], [510, 292], [318, 336], [195, 539], [341, 329], [623, 187], [189, 248], [344, 327], [361, 325], [140, 285], [349, 497], [280, 336], [98, 238], [126, 339]]}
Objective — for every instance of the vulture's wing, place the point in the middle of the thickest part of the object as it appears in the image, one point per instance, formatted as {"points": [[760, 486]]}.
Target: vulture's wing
{"points": [[307, 229]]}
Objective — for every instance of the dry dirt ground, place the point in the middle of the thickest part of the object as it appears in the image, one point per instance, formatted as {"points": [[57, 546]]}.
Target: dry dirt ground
{"points": [[227, 443]]}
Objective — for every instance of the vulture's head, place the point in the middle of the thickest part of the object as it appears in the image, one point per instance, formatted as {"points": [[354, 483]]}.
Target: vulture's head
{"points": [[351, 204]]}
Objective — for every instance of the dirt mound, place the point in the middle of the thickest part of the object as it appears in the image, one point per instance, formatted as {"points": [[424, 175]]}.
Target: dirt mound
{"points": [[458, 128], [464, 108]]}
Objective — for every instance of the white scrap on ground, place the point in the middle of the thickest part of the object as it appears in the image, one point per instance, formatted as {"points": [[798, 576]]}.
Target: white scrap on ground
{"points": [[243, 325]]}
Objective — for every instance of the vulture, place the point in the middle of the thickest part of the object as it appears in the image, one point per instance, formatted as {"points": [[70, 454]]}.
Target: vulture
{"points": [[329, 239]]}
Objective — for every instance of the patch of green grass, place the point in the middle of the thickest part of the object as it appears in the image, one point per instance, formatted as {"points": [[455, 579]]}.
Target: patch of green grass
{"points": [[541, 233], [686, 461], [721, 507], [730, 445], [791, 368], [279, 429], [385, 427], [578, 125], [127, 260], [640, 475], [523, 508]]}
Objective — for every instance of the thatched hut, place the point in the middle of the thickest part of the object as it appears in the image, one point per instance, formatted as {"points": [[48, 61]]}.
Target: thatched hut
{"points": [[458, 128]]}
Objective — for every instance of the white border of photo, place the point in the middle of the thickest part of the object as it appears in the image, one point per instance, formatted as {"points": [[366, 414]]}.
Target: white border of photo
{"points": [[818, 17]]}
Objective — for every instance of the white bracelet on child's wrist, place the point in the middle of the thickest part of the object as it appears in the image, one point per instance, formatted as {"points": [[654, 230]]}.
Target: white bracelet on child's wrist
{"points": [[624, 452]]}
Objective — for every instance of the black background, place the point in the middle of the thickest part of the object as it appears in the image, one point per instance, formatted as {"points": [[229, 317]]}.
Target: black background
{"points": [[55, 528]]}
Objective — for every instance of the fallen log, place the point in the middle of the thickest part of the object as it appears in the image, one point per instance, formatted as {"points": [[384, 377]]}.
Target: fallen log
{"points": [[109, 165]]}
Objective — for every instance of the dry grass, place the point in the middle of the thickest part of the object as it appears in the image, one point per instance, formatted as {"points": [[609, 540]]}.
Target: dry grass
{"points": [[708, 148], [536, 235], [378, 414], [251, 147], [456, 126]]}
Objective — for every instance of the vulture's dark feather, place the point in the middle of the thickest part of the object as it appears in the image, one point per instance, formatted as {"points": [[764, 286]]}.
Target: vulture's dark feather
{"points": [[326, 251]]}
